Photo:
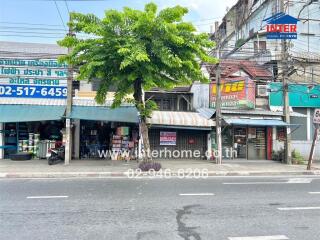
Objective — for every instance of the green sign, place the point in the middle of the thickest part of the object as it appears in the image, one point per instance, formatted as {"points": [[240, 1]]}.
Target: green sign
{"points": [[299, 95]]}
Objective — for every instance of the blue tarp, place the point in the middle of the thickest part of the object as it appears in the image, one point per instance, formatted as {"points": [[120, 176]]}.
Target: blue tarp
{"points": [[30, 113]]}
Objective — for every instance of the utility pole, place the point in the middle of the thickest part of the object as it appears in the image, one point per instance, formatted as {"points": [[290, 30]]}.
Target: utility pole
{"points": [[285, 86], [218, 99], [68, 144]]}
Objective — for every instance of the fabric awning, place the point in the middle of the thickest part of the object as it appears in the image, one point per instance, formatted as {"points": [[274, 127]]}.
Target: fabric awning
{"points": [[120, 114], [30, 113], [254, 122], [188, 120]]}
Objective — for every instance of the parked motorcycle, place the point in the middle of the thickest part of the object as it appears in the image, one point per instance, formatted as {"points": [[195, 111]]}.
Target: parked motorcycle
{"points": [[56, 155]]}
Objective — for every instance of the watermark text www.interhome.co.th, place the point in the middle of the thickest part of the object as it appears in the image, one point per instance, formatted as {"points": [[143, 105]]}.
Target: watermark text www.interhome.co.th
{"points": [[166, 153]]}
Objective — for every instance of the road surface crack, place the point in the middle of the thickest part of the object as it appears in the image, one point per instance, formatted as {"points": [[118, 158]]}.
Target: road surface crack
{"points": [[187, 233]]}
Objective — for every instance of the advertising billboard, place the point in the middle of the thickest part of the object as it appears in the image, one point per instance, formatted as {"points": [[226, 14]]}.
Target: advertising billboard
{"points": [[30, 78], [235, 93]]}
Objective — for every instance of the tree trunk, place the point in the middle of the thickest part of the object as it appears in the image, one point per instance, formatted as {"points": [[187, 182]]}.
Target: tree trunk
{"points": [[140, 103]]}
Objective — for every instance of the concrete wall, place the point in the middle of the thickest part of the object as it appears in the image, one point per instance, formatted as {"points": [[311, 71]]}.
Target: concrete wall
{"points": [[304, 148]]}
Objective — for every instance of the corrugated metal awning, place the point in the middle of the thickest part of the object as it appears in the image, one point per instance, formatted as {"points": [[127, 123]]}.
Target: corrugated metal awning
{"points": [[30, 113], [180, 119], [120, 114], [254, 122], [210, 113]]}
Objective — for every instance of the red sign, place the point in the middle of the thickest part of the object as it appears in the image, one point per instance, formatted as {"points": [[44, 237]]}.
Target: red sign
{"points": [[168, 138], [239, 92]]}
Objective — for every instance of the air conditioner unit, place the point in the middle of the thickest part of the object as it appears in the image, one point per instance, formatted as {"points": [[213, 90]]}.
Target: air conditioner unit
{"points": [[263, 91]]}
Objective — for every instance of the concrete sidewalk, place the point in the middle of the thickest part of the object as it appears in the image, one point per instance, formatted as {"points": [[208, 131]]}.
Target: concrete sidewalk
{"points": [[105, 168]]}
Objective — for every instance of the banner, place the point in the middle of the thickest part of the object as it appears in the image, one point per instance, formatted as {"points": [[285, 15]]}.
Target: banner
{"points": [[29, 78], [235, 93], [168, 138]]}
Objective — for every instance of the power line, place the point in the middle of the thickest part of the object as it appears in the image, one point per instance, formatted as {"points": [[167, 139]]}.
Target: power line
{"points": [[63, 24]]}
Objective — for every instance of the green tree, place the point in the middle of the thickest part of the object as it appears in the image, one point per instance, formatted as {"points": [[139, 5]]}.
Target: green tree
{"points": [[133, 51]]}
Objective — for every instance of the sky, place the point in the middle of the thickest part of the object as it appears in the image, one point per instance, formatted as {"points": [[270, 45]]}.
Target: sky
{"points": [[44, 21]]}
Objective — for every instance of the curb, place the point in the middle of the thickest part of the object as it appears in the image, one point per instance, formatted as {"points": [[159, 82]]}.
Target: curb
{"points": [[146, 175]]}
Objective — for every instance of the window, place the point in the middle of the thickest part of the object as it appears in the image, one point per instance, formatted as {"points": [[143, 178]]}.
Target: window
{"points": [[260, 46]]}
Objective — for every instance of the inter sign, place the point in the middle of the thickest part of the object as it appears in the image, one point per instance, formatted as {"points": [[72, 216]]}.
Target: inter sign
{"points": [[281, 26]]}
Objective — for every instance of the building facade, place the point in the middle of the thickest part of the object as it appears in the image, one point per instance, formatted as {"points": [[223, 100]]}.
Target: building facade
{"points": [[33, 92], [243, 35]]}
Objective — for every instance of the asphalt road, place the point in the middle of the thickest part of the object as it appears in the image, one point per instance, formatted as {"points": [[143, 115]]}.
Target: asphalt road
{"points": [[230, 208]]}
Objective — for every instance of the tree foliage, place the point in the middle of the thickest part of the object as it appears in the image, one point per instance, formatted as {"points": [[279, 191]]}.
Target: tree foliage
{"points": [[155, 47]]}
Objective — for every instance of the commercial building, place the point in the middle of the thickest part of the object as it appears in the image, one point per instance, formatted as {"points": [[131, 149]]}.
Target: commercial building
{"points": [[249, 124], [245, 34], [33, 91]]}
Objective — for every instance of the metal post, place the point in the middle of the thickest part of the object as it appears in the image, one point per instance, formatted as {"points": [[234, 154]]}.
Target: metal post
{"points": [[1, 140], [218, 100], [68, 144], [286, 107]]}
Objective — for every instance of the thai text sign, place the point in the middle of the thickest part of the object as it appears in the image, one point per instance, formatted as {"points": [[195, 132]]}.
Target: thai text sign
{"points": [[29, 78], [168, 138], [235, 93], [26, 91]]}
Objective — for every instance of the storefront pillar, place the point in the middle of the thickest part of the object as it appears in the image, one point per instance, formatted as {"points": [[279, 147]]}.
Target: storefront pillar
{"points": [[76, 138], [1, 141], [209, 147]]}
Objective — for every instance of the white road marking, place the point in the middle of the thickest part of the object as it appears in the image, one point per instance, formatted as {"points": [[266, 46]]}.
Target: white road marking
{"points": [[45, 197], [275, 237], [298, 208], [300, 180], [290, 181], [252, 183], [314, 192], [196, 194]]}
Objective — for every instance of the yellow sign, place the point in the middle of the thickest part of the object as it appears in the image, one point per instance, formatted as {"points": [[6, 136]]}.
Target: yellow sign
{"points": [[230, 87]]}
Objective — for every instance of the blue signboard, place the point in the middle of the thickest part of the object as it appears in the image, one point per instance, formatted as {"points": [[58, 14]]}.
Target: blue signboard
{"points": [[281, 26], [299, 95], [29, 91]]}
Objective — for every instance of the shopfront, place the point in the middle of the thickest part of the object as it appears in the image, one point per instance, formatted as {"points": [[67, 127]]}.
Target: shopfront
{"points": [[30, 129], [97, 137], [33, 95], [251, 137], [183, 135], [103, 130]]}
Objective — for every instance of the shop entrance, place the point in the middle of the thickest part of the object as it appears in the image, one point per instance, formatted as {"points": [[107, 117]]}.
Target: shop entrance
{"points": [[240, 141], [257, 143], [32, 137], [98, 139]]}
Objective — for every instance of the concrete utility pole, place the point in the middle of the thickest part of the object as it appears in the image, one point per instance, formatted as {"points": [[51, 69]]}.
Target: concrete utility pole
{"points": [[68, 145], [286, 107], [218, 99]]}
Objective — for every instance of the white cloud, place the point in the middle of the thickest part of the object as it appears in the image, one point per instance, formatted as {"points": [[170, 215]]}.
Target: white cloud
{"points": [[202, 10]]}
